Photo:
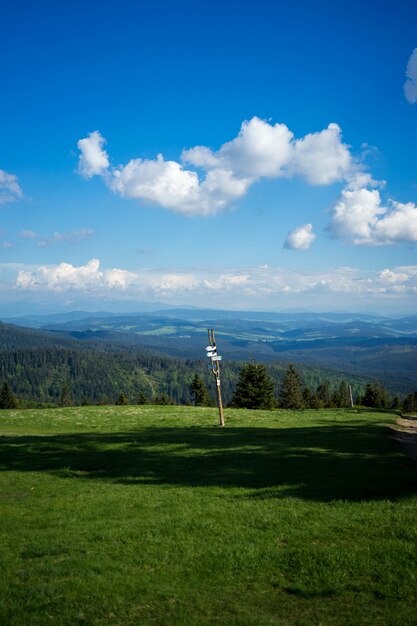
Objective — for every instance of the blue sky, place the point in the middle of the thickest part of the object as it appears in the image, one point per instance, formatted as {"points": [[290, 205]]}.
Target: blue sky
{"points": [[288, 173]]}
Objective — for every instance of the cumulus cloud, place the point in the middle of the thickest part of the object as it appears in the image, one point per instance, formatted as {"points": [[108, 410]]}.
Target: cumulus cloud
{"points": [[260, 150], [300, 238], [59, 237], [159, 181], [9, 188], [322, 158], [389, 276], [410, 85], [28, 234], [260, 287], [93, 158], [65, 277], [360, 218]]}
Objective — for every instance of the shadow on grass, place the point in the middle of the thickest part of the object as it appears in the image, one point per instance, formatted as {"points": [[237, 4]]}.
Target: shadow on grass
{"points": [[355, 462]]}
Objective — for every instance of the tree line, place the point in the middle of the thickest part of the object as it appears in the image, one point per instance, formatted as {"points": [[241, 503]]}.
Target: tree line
{"points": [[254, 389], [38, 375]]}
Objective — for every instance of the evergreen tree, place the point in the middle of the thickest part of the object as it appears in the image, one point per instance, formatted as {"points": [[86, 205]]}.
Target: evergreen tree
{"points": [[163, 399], [410, 403], [199, 392], [396, 403], [323, 392], [341, 397], [307, 398], [311, 400], [122, 399], [7, 398], [376, 396], [141, 398], [290, 393], [255, 388], [66, 396]]}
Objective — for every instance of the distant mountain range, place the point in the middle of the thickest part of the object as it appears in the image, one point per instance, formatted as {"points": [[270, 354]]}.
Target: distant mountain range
{"points": [[371, 346]]}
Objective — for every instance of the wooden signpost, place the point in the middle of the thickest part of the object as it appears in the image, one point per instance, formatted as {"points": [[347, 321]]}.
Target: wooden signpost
{"points": [[215, 368]]}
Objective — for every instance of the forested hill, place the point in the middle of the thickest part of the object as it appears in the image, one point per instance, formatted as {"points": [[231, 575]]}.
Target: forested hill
{"points": [[40, 374], [39, 364], [15, 337], [385, 351]]}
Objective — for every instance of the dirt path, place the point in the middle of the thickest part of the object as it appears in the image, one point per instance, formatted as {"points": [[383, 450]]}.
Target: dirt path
{"points": [[405, 432]]}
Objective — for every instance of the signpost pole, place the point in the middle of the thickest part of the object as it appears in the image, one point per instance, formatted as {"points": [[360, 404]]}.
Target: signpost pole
{"points": [[215, 362]]}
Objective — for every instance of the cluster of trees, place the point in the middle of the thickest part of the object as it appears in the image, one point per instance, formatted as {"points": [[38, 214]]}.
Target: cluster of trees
{"points": [[256, 390]]}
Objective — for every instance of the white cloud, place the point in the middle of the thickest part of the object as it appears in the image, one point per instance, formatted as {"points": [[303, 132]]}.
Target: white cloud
{"points": [[65, 277], [398, 224], [360, 217], [70, 237], [249, 287], [9, 188], [93, 159], [389, 276], [300, 238], [410, 85], [159, 181], [322, 158], [168, 184], [260, 150], [6, 244], [28, 234]]}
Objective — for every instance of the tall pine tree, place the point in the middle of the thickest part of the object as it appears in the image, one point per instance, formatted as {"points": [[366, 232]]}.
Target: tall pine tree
{"points": [[255, 388], [376, 396], [290, 395], [199, 392], [341, 397], [7, 398], [66, 396]]}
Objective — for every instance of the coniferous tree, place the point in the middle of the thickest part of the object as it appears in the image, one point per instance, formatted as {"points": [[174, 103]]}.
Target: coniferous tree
{"points": [[7, 397], [376, 396], [311, 399], [255, 388], [341, 397], [307, 398], [410, 403], [199, 392], [122, 399], [396, 403], [141, 398], [66, 396], [290, 393], [163, 399], [323, 392]]}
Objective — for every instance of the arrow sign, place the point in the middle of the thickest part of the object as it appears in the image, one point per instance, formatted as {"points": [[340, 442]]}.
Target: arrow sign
{"points": [[216, 358], [210, 348]]}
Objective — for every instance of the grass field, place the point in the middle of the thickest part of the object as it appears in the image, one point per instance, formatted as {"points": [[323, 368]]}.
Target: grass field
{"points": [[153, 515]]}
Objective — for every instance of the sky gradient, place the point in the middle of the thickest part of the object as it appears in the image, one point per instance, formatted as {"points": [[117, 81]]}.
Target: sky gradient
{"points": [[208, 154]]}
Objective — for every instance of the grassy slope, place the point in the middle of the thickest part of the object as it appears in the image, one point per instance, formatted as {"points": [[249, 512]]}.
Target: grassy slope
{"points": [[137, 515]]}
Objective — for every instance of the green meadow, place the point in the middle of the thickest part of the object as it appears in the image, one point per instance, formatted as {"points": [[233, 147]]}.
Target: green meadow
{"points": [[154, 515]]}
